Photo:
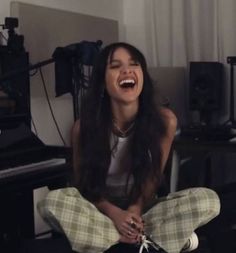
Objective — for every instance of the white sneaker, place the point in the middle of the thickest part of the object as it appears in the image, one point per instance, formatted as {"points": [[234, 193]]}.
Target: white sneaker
{"points": [[191, 244]]}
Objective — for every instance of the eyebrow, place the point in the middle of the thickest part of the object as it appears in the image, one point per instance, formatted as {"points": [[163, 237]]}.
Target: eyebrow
{"points": [[118, 61], [114, 61]]}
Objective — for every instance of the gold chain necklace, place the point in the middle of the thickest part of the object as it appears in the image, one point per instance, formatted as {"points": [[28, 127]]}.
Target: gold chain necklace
{"points": [[120, 132]]}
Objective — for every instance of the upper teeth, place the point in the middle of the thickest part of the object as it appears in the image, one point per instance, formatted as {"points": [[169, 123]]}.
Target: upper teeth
{"points": [[127, 81]]}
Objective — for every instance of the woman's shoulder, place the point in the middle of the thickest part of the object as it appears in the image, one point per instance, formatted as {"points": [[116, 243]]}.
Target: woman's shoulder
{"points": [[170, 120], [75, 131], [76, 126]]}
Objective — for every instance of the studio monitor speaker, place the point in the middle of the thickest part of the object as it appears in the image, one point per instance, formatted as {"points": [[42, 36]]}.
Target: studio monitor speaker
{"points": [[206, 81]]}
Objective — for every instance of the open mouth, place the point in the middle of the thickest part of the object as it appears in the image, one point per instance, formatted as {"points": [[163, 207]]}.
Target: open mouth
{"points": [[127, 83]]}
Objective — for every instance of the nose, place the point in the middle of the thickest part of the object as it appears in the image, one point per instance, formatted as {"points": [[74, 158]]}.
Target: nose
{"points": [[126, 69]]}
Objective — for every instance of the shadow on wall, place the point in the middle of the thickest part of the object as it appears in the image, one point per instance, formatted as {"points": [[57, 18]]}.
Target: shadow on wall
{"points": [[171, 84]]}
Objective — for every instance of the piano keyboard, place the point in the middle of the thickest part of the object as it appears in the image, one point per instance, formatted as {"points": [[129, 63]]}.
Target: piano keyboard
{"points": [[33, 167]]}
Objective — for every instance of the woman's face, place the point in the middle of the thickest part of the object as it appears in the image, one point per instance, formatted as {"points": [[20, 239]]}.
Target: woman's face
{"points": [[123, 77]]}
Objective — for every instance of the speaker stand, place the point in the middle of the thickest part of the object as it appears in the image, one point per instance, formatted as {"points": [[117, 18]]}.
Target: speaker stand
{"points": [[205, 117], [231, 121]]}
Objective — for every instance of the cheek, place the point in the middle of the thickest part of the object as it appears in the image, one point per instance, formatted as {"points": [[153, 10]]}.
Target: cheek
{"points": [[140, 78], [109, 84], [109, 79]]}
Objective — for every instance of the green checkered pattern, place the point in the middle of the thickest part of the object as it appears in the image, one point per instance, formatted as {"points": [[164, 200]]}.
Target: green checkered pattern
{"points": [[88, 230], [170, 222]]}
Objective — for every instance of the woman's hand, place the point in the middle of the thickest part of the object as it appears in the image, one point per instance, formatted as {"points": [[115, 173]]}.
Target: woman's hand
{"points": [[128, 222], [129, 225]]}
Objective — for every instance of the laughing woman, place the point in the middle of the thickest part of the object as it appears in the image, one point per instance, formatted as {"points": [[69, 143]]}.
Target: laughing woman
{"points": [[120, 147]]}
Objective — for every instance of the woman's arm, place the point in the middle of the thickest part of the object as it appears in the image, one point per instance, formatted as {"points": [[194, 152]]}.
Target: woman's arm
{"points": [[166, 141], [149, 188]]}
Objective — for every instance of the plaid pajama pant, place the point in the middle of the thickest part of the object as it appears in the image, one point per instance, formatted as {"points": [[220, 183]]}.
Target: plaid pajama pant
{"points": [[169, 222]]}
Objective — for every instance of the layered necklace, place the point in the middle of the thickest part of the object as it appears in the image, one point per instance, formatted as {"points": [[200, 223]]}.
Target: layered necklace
{"points": [[120, 132]]}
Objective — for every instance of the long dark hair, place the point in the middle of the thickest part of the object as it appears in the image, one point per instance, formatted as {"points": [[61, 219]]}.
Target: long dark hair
{"points": [[96, 126]]}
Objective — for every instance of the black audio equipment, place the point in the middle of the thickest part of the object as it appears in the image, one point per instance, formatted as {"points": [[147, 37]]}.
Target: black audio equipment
{"points": [[15, 99], [206, 81]]}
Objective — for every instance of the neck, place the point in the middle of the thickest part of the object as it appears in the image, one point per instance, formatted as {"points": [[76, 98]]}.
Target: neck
{"points": [[124, 115], [124, 119]]}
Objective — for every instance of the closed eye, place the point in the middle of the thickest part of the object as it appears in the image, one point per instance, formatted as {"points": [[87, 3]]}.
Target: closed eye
{"points": [[134, 63], [114, 66], [117, 64]]}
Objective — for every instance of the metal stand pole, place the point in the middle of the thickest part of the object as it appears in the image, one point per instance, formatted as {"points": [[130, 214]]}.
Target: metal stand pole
{"points": [[232, 61]]}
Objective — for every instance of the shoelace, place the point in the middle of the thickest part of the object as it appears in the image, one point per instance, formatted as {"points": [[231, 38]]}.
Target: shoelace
{"points": [[146, 242]]}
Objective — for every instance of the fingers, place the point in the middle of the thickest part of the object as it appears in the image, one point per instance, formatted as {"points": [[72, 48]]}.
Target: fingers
{"points": [[137, 218], [132, 235], [130, 227], [128, 231], [136, 225], [133, 224], [132, 230]]}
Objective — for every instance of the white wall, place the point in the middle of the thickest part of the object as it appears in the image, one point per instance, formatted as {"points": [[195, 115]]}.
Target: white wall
{"points": [[112, 9], [103, 8], [134, 24]]}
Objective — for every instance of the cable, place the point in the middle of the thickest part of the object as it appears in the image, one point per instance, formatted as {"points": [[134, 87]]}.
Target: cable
{"points": [[34, 126], [3, 36], [50, 107]]}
